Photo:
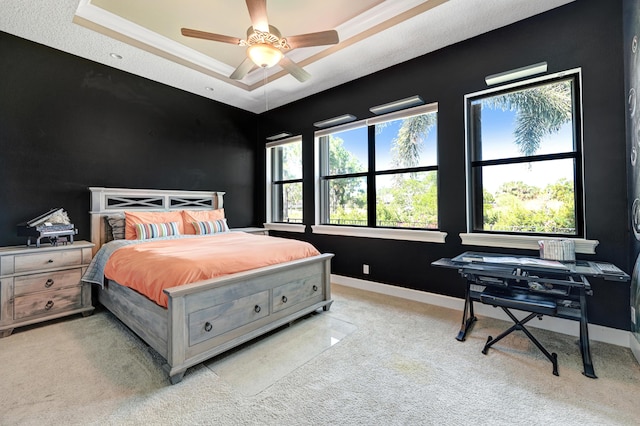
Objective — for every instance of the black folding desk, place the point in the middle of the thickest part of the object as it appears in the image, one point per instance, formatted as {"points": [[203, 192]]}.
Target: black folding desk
{"points": [[530, 284]]}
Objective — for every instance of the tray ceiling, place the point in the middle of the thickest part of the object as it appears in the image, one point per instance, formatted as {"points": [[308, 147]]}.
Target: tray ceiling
{"points": [[143, 37]]}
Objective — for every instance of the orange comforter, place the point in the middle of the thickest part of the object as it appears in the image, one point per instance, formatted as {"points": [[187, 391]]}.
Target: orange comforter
{"points": [[152, 266]]}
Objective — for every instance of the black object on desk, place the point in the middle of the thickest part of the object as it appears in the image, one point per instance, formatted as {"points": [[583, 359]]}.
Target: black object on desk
{"points": [[538, 286]]}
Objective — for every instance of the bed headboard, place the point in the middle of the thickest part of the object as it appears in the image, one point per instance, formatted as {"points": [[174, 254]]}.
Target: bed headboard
{"points": [[107, 201]]}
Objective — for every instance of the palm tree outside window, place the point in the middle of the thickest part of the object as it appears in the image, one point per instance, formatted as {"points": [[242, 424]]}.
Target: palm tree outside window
{"points": [[381, 172], [525, 158]]}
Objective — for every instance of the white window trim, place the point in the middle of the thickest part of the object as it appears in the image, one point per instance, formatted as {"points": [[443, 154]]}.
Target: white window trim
{"points": [[527, 242], [286, 227], [384, 233]]}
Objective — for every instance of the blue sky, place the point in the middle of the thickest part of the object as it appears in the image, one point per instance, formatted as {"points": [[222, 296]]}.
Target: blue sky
{"points": [[355, 141], [499, 141], [498, 129]]}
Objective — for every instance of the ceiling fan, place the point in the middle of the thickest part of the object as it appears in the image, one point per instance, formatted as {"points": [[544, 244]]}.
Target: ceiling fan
{"points": [[265, 44]]}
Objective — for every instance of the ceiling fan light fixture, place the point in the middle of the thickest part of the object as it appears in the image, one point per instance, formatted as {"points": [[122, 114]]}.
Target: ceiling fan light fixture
{"points": [[265, 44], [264, 55]]}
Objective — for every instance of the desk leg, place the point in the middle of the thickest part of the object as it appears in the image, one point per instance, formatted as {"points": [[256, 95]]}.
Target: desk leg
{"points": [[468, 318], [584, 338], [519, 325]]}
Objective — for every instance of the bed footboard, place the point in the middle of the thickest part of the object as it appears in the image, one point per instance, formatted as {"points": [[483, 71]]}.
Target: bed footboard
{"points": [[207, 318], [211, 317]]}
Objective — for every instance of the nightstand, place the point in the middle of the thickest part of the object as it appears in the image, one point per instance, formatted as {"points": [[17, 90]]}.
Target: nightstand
{"points": [[252, 230], [39, 284]]}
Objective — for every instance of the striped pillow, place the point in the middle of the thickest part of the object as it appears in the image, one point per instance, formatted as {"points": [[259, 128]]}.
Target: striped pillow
{"points": [[210, 226], [145, 231]]}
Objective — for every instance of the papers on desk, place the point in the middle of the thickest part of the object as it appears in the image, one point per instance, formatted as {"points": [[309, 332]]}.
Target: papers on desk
{"points": [[521, 261]]}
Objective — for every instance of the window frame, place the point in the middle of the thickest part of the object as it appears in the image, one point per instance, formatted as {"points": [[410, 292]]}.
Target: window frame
{"points": [[322, 149], [271, 184], [527, 240], [375, 231]]}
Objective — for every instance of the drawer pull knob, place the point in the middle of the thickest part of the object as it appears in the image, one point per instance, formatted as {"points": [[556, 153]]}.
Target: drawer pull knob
{"points": [[284, 299], [207, 326], [49, 305], [257, 308], [315, 287], [49, 283], [50, 261]]}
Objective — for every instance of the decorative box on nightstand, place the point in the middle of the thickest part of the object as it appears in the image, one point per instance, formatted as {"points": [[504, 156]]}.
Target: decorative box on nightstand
{"points": [[39, 284]]}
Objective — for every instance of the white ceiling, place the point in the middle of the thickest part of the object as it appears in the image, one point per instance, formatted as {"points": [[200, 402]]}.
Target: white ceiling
{"points": [[374, 34]]}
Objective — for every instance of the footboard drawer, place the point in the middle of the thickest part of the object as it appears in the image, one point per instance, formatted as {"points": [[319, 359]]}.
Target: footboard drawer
{"points": [[295, 292], [36, 304], [208, 323]]}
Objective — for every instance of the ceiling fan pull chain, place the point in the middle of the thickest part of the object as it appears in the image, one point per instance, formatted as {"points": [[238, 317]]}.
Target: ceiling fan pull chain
{"points": [[266, 98]]}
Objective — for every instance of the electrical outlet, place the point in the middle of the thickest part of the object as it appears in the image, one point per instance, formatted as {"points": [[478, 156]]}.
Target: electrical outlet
{"points": [[633, 315], [365, 268]]}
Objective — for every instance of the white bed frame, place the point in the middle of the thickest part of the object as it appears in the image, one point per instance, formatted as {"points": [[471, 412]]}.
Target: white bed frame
{"points": [[209, 317]]}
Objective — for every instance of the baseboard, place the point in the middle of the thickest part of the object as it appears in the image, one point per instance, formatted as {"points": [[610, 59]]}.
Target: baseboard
{"points": [[596, 332], [635, 346]]}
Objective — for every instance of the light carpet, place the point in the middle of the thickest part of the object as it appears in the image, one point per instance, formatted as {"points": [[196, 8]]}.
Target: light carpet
{"points": [[398, 363], [254, 366]]}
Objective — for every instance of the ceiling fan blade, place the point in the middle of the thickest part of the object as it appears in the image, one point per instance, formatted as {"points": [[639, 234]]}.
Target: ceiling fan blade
{"points": [[258, 14], [294, 69], [209, 36], [313, 39], [243, 69]]}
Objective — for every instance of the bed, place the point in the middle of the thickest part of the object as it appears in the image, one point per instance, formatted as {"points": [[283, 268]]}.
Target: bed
{"points": [[208, 317]]}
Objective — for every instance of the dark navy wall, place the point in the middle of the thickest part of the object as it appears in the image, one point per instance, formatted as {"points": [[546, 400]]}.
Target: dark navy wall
{"points": [[586, 34], [631, 26], [67, 123]]}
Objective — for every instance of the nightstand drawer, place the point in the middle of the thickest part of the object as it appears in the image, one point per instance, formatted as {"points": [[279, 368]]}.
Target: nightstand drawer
{"points": [[52, 259], [46, 281], [47, 303]]}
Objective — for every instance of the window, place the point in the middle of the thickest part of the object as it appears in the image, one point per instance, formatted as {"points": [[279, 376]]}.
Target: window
{"points": [[344, 163], [380, 173], [525, 159], [284, 181]]}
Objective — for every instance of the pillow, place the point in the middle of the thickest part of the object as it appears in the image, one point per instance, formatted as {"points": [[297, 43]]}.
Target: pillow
{"points": [[115, 228], [133, 218], [190, 216], [210, 226], [144, 231]]}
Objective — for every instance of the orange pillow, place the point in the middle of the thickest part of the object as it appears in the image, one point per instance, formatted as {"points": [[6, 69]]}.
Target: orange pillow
{"points": [[189, 216], [134, 218]]}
